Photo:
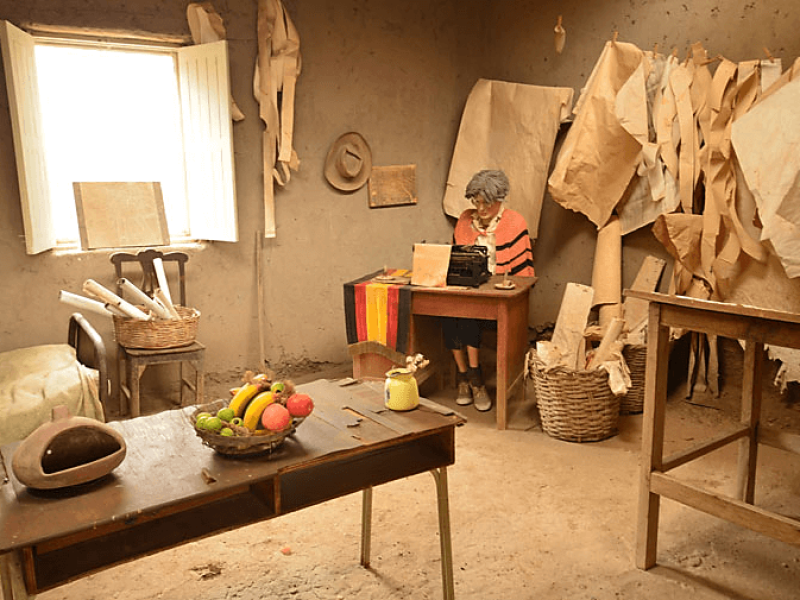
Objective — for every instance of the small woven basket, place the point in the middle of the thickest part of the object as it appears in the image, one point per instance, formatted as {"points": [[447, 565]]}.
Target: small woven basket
{"points": [[260, 442], [575, 406], [636, 359], [173, 333]]}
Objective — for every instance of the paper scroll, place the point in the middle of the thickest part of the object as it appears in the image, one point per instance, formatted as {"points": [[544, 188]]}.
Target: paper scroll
{"points": [[91, 287], [607, 272], [141, 298], [83, 303]]}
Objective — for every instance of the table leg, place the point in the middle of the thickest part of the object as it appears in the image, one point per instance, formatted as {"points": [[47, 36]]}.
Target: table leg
{"points": [[652, 437], [440, 476], [366, 527], [12, 583], [750, 414], [503, 349]]}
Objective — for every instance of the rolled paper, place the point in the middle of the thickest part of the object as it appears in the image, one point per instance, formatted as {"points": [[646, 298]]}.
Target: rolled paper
{"points": [[115, 311], [161, 276], [142, 298], [91, 287], [161, 297], [83, 303]]}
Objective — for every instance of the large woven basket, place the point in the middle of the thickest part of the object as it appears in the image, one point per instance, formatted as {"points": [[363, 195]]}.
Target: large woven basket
{"points": [[636, 359], [575, 406], [174, 333]]}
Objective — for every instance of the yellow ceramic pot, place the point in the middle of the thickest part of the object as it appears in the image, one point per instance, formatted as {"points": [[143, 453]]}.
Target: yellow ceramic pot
{"points": [[400, 390]]}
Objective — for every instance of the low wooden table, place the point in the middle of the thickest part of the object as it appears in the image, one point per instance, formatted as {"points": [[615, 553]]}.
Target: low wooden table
{"points": [[508, 308], [756, 327], [171, 489]]}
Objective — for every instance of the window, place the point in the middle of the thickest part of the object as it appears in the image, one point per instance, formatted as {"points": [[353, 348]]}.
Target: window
{"points": [[91, 112]]}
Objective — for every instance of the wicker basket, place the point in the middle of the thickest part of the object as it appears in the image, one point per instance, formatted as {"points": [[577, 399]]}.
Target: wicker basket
{"points": [[131, 333], [636, 359], [575, 406], [260, 442]]}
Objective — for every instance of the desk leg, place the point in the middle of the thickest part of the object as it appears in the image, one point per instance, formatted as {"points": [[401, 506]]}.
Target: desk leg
{"points": [[751, 411], [12, 582], [503, 349], [366, 527], [655, 401], [440, 476]]}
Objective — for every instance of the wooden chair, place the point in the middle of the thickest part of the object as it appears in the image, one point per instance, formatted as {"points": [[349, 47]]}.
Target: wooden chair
{"points": [[133, 361]]}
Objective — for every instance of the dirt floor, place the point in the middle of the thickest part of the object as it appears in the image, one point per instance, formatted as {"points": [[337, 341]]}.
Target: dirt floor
{"points": [[532, 517]]}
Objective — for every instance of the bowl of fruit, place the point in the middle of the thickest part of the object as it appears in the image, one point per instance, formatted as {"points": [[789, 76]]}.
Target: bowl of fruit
{"points": [[260, 415]]}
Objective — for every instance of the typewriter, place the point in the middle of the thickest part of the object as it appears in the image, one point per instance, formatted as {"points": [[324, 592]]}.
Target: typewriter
{"points": [[469, 266]]}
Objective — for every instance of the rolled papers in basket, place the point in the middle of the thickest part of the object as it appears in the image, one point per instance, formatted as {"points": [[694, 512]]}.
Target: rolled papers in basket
{"points": [[141, 298], [91, 287]]}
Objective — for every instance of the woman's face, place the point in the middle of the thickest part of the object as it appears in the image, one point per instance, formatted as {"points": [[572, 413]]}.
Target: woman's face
{"points": [[487, 209]]}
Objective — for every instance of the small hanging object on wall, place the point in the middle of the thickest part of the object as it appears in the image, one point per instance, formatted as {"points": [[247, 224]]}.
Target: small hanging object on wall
{"points": [[349, 162], [560, 36], [393, 186]]}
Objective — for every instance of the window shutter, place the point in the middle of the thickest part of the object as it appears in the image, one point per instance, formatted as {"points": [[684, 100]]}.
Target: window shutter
{"points": [[208, 141], [26, 125]]}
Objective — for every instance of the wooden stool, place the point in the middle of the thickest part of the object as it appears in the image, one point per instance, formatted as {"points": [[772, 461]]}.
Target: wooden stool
{"points": [[133, 362]]}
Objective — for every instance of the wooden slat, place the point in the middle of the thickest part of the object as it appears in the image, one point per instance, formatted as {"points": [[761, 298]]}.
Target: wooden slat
{"points": [[735, 511]]}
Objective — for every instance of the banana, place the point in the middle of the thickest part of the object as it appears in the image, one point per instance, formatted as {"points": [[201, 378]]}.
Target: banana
{"points": [[239, 401], [252, 416]]}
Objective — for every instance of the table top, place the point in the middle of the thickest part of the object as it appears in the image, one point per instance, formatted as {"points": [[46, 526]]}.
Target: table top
{"points": [[167, 464], [486, 289], [741, 310]]}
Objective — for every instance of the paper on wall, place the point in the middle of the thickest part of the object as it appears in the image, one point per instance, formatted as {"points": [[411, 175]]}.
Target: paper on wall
{"points": [[645, 107], [680, 235], [767, 144], [598, 157], [513, 127], [278, 66]]}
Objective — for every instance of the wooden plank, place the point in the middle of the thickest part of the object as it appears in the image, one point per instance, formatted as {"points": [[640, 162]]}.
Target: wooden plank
{"points": [[571, 324], [120, 214], [750, 517]]}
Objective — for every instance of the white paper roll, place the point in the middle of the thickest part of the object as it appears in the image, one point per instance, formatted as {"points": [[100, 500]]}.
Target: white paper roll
{"points": [[161, 276], [83, 303], [141, 298], [162, 298], [91, 287]]}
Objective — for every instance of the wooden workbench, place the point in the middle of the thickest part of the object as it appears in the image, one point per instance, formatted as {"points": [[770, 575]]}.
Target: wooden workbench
{"points": [[756, 327]]}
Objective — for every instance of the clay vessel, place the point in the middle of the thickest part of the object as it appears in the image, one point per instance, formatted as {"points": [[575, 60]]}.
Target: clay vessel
{"points": [[400, 390], [67, 451]]}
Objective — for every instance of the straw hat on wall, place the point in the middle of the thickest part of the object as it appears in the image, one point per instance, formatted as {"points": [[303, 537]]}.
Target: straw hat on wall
{"points": [[349, 162]]}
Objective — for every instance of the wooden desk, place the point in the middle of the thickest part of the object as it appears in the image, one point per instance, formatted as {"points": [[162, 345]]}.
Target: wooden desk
{"points": [[509, 308], [756, 327], [170, 489]]}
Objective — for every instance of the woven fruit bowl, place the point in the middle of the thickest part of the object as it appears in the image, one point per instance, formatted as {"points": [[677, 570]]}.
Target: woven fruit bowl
{"points": [[245, 442]]}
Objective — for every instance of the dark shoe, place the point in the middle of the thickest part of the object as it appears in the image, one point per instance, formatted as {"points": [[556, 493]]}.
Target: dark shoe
{"points": [[482, 400], [464, 396]]}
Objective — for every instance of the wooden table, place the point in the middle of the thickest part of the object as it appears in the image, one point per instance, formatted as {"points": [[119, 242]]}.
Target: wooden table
{"points": [[756, 327], [508, 308], [170, 489]]}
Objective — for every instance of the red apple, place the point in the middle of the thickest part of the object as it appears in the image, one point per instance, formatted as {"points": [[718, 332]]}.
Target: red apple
{"points": [[300, 405], [275, 417]]}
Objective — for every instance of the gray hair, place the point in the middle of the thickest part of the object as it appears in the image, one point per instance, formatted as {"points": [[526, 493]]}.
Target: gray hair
{"points": [[491, 184]]}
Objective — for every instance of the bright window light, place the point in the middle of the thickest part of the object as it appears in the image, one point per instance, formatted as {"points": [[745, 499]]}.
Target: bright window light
{"points": [[110, 115]]}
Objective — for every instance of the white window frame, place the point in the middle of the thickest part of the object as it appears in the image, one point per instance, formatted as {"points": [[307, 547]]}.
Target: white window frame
{"points": [[204, 88]]}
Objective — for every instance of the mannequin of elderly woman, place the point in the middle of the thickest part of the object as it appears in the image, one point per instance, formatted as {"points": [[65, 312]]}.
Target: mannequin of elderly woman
{"points": [[504, 233]]}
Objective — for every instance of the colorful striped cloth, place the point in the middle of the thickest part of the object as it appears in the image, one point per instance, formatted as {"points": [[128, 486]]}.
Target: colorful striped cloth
{"points": [[378, 312]]}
